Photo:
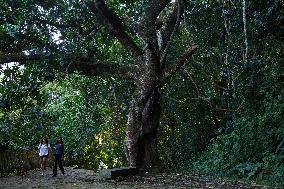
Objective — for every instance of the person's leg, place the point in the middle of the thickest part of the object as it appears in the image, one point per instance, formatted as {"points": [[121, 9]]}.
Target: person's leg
{"points": [[61, 166], [41, 162], [55, 165], [44, 162], [42, 159]]}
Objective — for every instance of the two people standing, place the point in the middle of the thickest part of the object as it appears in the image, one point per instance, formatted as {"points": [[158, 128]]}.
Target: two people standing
{"points": [[44, 152]]}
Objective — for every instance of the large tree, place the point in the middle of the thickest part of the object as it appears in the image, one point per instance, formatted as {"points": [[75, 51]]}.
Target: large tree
{"points": [[28, 35]]}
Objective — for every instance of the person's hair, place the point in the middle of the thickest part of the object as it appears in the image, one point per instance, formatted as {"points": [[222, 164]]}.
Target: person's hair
{"points": [[59, 141], [45, 139]]}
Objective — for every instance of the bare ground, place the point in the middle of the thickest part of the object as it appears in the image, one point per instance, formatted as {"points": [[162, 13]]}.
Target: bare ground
{"points": [[85, 179]]}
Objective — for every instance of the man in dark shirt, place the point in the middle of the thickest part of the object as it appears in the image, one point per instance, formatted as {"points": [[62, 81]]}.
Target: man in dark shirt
{"points": [[59, 154]]}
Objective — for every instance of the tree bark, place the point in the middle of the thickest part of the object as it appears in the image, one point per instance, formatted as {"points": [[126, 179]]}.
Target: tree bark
{"points": [[147, 148], [141, 133]]}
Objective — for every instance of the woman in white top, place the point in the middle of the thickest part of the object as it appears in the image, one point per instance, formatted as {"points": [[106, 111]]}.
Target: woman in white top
{"points": [[43, 149]]}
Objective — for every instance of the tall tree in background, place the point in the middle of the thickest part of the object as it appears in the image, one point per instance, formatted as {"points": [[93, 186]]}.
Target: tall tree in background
{"points": [[146, 40]]}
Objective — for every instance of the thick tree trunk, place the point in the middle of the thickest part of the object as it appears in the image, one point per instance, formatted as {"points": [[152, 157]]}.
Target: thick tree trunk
{"points": [[141, 133], [147, 148], [133, 130]]}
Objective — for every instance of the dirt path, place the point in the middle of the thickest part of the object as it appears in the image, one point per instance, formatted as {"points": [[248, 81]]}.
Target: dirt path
{"points": [[86, 179], [74, 178]]}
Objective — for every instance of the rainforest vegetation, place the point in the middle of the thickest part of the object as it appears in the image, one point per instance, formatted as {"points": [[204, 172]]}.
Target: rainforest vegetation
{"points": [[170, 85]]}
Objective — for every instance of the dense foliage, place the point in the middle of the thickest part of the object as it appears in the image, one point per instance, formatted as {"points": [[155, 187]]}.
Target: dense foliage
{"points": [[222, 115], [228, 117]]}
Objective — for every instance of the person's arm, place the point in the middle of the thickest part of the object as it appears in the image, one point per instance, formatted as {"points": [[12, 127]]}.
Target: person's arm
{"points": [[62, 157], [38, 148], [49, 148]]}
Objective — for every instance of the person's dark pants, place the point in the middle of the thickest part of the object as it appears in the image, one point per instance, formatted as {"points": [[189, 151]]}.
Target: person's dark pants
{"points": [[58, 161]]}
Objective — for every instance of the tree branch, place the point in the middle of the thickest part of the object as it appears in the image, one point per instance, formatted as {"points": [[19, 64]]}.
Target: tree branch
{"points": [[120, 71], [83, 66], [147, 25], [115, 26], [152, 11], [171, 27], [19, 57], [180, 61]]}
